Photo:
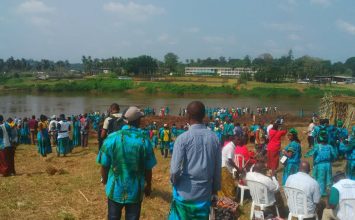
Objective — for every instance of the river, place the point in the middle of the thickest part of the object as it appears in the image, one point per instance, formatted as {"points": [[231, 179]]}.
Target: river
{"points": [[20, 105]]}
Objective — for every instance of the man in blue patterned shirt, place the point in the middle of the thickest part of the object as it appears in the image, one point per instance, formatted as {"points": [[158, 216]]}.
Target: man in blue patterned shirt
{"points": [[127, 159]]}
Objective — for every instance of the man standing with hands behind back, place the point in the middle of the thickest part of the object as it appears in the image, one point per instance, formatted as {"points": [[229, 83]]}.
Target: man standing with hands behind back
{"points": [[195, 168], [127, 159]]}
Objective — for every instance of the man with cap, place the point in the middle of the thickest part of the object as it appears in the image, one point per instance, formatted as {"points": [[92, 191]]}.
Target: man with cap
{"points": [[127, 158], [342, 189]]}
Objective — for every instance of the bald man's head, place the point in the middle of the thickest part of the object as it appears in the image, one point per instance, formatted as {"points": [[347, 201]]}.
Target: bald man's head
{"points": [[196, 111], [305, 167], [260, 167]]}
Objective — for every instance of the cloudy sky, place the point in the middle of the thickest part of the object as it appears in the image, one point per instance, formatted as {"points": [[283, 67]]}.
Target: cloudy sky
{"points": [[68, 29]]}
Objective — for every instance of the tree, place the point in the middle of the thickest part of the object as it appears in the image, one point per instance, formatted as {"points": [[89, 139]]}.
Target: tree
{"points": [[171, 61], [350, 63], [141, 65]]}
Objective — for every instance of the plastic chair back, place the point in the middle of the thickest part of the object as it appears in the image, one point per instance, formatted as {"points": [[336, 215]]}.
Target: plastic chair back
{"points": [[239, 161], [296, 201], [258, 192], [346, 209]]}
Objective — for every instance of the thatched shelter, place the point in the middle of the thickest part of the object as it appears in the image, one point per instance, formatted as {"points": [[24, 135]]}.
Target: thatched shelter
{"points": [[338, 107]]}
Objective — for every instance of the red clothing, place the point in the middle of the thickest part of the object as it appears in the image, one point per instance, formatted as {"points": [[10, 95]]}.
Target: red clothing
{"points": [[248, 155], [273, 158], [32, 124], [7, 161], [275, 139]]}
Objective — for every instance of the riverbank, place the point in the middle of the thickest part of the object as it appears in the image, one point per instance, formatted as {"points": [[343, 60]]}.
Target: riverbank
{"points": [[181, 86]]}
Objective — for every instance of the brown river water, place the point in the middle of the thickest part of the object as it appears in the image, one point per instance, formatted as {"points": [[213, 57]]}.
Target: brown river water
{"points": [[20, 104]]}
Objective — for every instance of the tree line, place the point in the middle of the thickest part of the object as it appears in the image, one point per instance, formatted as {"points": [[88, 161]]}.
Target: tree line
{"points": [[269, 68]]}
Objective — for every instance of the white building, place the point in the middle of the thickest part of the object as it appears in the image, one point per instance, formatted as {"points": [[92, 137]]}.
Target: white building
{"points": [[219, 71]]}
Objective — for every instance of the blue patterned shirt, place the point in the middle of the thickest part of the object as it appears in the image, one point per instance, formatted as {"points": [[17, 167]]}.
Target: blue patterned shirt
{"points": [[128, 154]]}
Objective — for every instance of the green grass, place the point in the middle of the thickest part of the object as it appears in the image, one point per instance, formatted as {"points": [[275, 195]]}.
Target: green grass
{"points": [[194, 86]]}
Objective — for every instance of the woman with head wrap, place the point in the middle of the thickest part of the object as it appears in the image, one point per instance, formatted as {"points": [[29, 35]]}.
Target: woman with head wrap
{"points": [[293, 153], [340, 136], [323, 155], [44, 143], [349, 149]]}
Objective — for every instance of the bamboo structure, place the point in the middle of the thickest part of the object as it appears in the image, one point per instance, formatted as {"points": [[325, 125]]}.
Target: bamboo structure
{"points": [[338, 107]]}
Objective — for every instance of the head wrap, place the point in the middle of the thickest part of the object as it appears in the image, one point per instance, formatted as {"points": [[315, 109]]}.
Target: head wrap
{"points": [[293, 131], [323, 136]]}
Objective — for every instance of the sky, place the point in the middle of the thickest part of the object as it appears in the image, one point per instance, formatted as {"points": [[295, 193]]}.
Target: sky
{"points": [[69, 29]]}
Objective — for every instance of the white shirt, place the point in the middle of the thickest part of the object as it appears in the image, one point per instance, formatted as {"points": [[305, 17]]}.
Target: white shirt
{"points": [[107, 120], [310, 129], [271, 184], [64, 129], [346, 189], [228, 153], [308, 185], [52, 124], [269, 128]]}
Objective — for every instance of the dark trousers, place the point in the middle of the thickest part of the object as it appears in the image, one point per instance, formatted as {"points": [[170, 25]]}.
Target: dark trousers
{"points": [[7, 161], [310, 140], [133, 210], [84, 140]]}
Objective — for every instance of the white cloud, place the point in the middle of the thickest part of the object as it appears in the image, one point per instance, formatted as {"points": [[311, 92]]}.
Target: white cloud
{"points": [[36, 12], [192, 30], [323, 3], [39, 21], [167, 39], [283, 26], [294, 37], [34, 7], [213, 39], [346, 26], [133, 11]]}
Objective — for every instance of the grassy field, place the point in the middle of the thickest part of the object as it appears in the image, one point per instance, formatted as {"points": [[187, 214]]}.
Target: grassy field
{"points": [[69, 187], [177, 86]]}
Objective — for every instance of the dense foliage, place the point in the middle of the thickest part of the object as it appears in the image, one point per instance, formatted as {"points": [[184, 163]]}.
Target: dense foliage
{"points": [[269, 69]]}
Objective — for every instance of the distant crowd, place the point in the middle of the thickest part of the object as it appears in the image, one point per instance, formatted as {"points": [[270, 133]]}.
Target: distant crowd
{"points": [[209, 157]]}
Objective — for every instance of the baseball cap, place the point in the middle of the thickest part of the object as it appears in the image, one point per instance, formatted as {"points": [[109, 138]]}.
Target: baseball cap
{"points": [[133, 113]]}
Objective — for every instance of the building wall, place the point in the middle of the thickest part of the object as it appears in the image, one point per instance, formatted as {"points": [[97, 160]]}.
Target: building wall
{"points": [[220, 71]]}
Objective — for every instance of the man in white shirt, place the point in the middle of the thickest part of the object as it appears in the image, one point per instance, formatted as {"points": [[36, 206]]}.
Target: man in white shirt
{"points": [[227, 182], [310, 137], [259, 175], [303, 181], [343, 188]]}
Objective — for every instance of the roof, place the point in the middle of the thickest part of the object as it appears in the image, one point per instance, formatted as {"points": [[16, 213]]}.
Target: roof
{"points": [[344, 99]]}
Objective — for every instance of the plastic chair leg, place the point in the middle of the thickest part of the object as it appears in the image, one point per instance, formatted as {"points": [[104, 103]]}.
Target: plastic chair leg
{"points": [[316, 216], [241, 196], [277, 211], [289, 216], [252, 211]]}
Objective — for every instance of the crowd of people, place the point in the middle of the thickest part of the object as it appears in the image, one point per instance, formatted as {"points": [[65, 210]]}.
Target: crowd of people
{"points": [[209, 155]]}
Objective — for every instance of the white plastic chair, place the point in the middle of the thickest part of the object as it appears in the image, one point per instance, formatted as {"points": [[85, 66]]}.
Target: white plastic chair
{"points": [[347, 208], [297, 204], [242, 188], [258, 192]]}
